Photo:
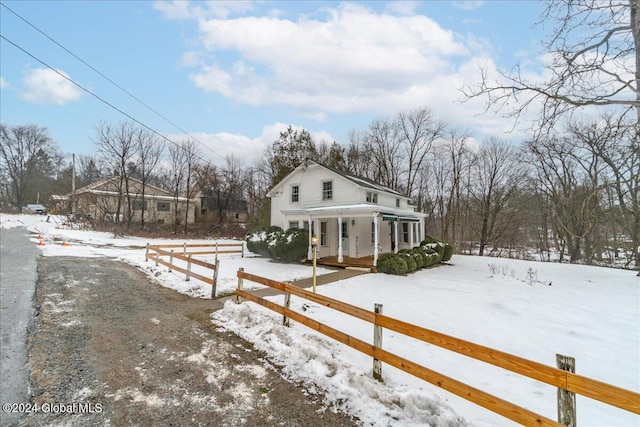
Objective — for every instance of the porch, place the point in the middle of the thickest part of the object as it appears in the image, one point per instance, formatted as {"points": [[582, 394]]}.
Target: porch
{"points": [[362, 262]]}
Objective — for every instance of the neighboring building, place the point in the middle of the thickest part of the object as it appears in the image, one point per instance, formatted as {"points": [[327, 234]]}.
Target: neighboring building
{"points": [[351, 216], [223, 207], [100, 201]]}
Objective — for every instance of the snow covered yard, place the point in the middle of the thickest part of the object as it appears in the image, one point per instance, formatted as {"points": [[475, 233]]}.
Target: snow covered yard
{"points": [[533, 310], [590, 313]]}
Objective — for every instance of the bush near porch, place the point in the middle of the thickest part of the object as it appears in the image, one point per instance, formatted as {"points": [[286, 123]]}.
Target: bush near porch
{"points": [[429, 253], [275, 243]]}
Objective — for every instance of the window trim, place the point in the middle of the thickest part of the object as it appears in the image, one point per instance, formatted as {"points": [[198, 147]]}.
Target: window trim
{"points": [[140, 205], [297, 193], [327, 194], [163, 210], [372, 197]]}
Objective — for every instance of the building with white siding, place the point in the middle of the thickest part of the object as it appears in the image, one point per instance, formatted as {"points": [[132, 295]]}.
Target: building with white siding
{"points": [[351, 216]]}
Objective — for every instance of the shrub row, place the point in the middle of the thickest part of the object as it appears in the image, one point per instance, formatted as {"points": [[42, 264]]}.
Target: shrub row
{"points": [[429, 253], [275, 243]]}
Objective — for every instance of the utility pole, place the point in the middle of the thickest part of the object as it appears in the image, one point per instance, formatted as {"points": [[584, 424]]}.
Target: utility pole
{"points": [[73, 185]]}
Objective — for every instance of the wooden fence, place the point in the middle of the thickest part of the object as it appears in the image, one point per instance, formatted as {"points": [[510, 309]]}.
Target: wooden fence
{"points": [[219, 248], [155, 253], [566, 381]]}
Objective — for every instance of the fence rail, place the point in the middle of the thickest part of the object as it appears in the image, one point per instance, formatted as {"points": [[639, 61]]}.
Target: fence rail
{"points": [[154, 253], [562, 379], [236, 248]]}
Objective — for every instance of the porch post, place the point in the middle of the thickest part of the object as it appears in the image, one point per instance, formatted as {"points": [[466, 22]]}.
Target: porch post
{"points": [[422, 232], [340, 257], [411, 227], [309, 251], [376, 239], [395, 231]]}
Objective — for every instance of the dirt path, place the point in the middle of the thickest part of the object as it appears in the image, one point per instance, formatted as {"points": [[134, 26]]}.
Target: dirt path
{"points": [[129, 352]]}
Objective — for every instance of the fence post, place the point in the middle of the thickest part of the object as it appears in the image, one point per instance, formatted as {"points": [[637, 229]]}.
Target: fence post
{"points": [[216, 251], [240, 270], [157, 255], [242, 244], [146, 254], [215, 280], [188, 269], [170, 260], [566, 399], [287, 304], [377, 343], [184, 249]]}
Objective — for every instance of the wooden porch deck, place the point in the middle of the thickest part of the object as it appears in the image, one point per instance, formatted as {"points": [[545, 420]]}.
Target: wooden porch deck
{"points": [[364, 262]]}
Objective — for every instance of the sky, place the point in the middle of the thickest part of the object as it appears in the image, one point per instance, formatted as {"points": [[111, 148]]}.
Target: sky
{"points": [[234, 74]]}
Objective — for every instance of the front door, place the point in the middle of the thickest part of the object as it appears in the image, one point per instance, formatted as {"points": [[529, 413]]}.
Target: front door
{"points": [[345, 238]]}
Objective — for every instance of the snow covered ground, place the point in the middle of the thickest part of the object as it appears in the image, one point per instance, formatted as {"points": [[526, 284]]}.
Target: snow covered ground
{"points": [[533, 310]]}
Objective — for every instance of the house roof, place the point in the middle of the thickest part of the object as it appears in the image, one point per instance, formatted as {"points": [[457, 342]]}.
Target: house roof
{"points": [[234, 202], [357, 209], [362, 182], [96, 188]]}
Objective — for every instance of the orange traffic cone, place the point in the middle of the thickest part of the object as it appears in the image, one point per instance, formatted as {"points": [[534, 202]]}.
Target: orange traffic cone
{"points": [[39, 236], [66, 244], [41, 243]]}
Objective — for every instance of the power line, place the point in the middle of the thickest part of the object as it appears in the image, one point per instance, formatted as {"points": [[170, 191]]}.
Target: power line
{"points": [[97, 97], [105, 77]]}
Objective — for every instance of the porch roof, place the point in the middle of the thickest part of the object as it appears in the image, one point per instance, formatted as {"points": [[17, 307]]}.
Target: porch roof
{"points": [[358, 210]]}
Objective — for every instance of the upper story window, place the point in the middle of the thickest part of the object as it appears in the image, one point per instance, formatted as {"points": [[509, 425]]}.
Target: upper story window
{"points": [[327, 190], [397, 203], [163, 207], [295, 193], [372, 197]]}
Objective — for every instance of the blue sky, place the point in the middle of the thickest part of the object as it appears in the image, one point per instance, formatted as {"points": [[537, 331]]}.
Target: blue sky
{"points": [[233, 74]]}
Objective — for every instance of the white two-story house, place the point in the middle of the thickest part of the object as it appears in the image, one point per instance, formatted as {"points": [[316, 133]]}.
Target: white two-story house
{"points": [[351, 216]]}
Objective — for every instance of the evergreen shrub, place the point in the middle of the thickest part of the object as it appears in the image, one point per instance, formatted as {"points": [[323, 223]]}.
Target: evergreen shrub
{"points": [[290, 245], [411, 263], [427, 240], [260, 240], [392, 264], [275, 243], [447, 252], [417, 257]]}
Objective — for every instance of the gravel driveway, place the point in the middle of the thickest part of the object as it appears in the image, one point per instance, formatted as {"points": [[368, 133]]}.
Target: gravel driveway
{"points": [[108, 347]]}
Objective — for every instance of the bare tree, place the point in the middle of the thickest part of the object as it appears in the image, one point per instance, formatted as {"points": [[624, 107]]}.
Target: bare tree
{"points": [[117, 145], [496, 174], [570, 177], [21, 150], [614, 144], [182, 178], [149, 153], [594, 62], [383, 141], [89, 170], [418, 131]]}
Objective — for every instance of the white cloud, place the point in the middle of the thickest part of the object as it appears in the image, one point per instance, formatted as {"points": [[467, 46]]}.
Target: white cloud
{"points": [[354, 61], [46, 86], [243, 148], [182, 9], [402, 7], [3, 83], [468, 4]]}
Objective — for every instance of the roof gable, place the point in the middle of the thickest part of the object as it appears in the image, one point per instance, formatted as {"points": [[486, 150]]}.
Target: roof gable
{"points": [[362, 182], [110, 185]]}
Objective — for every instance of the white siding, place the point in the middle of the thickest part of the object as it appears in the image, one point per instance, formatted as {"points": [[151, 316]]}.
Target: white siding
{"points": [[309, 181]]}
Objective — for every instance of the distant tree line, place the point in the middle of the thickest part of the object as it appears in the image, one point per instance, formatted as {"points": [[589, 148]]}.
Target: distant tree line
{"points": [[574, 193]]}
